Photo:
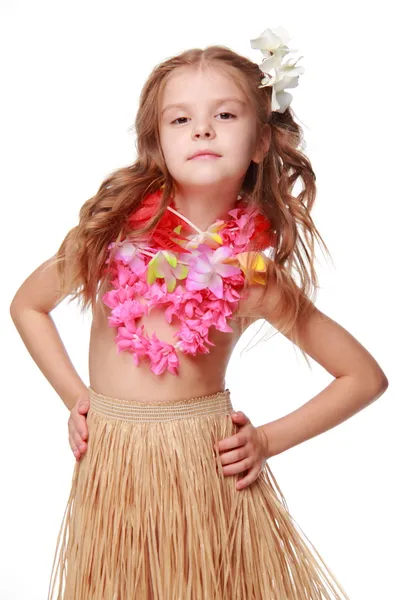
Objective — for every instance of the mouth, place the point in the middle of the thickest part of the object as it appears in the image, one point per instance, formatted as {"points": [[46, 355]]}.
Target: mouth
{"points": [[204, 155]]}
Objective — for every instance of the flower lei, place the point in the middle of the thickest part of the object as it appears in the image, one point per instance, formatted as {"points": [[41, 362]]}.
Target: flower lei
{"points": [[210, 265]]}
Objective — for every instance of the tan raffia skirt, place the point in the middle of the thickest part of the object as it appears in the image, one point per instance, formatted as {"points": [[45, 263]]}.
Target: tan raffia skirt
{"points": [[152, 516]]}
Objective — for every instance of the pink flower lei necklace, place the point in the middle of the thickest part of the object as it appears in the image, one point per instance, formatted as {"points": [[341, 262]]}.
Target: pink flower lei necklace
{"points": [[210, 266]]}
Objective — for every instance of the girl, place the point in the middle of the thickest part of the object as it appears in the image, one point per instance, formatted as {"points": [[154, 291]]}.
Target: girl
{"points": [[172, 496]]}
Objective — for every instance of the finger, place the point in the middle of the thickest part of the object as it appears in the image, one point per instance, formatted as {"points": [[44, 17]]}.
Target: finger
{"points": [[79, 425], [79, 443], [75, 441], [237, 467], [74, 449], [231, 442], [233, 456], [248, 479], [83, 429], [83, 407], [76, 438], [74, 433]]}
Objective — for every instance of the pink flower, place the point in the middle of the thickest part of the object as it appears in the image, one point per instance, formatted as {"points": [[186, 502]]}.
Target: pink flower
{"points": [[207, 269], [133, 340], [115, 297], [139, 288], [123, 339], [128, 338], [162, 356], [192, 337], [228, 236], [166, 265], [156, 294], [130, 254], [239, 229], [245, 222], [183, 304], [124, 276], [131, 309]]}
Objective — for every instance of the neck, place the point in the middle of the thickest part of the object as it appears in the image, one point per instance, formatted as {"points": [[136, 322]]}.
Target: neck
{"points": [[204, 207]]}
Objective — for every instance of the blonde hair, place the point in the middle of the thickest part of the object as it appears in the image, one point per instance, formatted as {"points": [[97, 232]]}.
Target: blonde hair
{"points": [[269, 184]]}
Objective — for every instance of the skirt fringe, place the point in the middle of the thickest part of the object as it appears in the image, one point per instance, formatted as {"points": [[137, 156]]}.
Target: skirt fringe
{"points": [[151, 515]]}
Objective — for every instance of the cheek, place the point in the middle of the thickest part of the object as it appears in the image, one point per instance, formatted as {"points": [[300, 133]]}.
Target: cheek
{"points": [[172, 145], [243, 152], [168, 149], [173, 155]]}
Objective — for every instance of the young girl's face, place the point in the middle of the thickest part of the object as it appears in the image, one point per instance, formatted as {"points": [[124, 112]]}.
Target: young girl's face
{"points": [[206, 110]]}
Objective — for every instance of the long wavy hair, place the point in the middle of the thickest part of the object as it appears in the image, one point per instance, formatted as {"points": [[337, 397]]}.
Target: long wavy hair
{"points": [[81, 258]]}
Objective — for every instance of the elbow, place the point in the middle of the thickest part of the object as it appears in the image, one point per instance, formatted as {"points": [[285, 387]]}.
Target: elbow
{"points": [[380, 380], [384, 383], [373, 382], [375, 378], [15, 312], [379, 384], [17, 308]]}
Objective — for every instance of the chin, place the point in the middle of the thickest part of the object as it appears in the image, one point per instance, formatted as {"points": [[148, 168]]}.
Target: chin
{"points": [[200, 181], [202, 174]]}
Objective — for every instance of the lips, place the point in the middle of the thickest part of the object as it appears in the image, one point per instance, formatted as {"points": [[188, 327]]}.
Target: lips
{"points": [[204, 153]]}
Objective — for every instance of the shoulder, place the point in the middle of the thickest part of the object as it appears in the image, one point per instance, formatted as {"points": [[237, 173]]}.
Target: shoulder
{"points": [[278, 300], [261, 301]]}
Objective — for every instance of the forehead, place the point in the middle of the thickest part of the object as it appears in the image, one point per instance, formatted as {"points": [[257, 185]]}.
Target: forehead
{"points": [[185, 83]]}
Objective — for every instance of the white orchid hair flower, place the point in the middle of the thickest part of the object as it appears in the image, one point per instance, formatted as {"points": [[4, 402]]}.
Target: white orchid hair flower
{"points": [[273, 44]]}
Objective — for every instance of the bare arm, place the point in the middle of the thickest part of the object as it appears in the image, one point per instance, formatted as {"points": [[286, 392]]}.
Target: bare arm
{"points": [[359, 380], [29, 310]]}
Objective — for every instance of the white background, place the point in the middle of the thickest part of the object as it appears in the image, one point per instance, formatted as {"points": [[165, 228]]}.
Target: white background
{"points": [[71, 75]]}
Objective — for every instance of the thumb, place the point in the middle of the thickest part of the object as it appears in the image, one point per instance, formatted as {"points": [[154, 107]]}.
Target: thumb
{"points": [[239, 416], [83, 406]]}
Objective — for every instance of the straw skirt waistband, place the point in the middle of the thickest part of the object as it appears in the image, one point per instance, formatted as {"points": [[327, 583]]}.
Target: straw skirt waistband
{"points": [[159, 410]]}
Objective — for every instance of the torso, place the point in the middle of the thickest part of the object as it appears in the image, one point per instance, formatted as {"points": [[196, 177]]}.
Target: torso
{"points": [[115, 374]]}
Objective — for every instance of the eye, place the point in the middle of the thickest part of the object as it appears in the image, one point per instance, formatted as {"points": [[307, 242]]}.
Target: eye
{"points": [[222, 113], [226, 113], [178, 119]]}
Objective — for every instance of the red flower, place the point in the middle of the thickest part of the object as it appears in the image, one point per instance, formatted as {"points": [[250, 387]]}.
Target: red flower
{"points": [[162, 234], [263, 236]]}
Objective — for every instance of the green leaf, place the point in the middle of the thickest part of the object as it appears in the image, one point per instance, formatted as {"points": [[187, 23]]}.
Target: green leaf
{"points": [[170, 257], [181, 271]]}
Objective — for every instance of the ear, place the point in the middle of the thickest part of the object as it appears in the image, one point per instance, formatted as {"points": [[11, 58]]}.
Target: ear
{"points": [[263, 145]]}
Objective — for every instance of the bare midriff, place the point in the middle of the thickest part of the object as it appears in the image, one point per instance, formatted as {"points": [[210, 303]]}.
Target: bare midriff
{"points": [[115, 374]]}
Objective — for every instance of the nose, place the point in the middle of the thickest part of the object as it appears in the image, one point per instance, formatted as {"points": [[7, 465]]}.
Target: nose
{"points": [[203, 130]]}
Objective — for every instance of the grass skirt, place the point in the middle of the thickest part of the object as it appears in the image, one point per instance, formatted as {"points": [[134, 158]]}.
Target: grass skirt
{"points": [[151, 516]]}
